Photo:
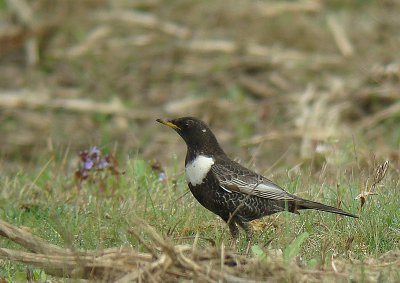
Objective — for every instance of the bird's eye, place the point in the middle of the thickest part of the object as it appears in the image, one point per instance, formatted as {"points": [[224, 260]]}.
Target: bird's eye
{"points": [[186, 125]]}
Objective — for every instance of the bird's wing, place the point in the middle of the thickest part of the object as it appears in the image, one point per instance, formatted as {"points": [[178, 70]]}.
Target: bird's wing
{"points": [[233, 177]]}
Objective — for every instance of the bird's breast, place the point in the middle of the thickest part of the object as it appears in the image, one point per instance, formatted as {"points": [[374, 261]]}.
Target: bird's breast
{"points": [[197, 169]]}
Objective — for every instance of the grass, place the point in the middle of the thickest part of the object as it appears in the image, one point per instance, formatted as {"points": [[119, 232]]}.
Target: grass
{"points": [[98, 214]]}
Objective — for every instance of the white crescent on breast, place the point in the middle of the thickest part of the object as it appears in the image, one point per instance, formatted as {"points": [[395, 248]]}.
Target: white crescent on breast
{"points": [[198, 169]]}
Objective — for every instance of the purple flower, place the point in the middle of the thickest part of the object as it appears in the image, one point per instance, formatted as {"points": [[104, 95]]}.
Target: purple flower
{"points": [[93, 161], [94, 152], [162, 177], [88, 164], [103, 163]]}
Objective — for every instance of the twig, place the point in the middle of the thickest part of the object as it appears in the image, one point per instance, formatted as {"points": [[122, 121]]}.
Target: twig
{"points": [[27, 240], [143, 242]]}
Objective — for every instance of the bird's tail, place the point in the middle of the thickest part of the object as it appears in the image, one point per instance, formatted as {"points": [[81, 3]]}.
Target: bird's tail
{"points": [[307, 204]]}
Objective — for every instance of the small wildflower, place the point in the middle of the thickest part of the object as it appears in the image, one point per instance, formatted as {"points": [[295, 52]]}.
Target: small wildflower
{"points": [[162, 177], [94, 161], [103, 163], [94, 153], [88, 164], [156, 166]]}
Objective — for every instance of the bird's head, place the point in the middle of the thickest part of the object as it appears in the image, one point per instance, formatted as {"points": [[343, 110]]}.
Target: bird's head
{"points": [[195, 133]]}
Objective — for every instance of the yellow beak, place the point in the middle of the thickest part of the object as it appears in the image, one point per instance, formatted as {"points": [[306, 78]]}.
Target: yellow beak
{"points": [[173, 126]]}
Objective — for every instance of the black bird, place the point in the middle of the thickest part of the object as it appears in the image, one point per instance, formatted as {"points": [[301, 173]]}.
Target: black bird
{"points": [[223, 186]]}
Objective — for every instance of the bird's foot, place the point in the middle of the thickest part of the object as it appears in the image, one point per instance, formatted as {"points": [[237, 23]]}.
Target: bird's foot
{"points": [[249, 241], [232, 243]]}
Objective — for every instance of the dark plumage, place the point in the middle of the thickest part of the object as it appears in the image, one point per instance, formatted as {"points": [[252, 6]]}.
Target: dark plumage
{"points": [[223, 186]]}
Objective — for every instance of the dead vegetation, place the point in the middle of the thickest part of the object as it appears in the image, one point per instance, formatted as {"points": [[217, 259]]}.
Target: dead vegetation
{"points": [[63, 62], [167, 262]]}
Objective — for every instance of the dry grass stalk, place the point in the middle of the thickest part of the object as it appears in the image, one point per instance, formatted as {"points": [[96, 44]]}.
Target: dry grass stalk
{"points": [[146, 20], [365, 190], [43, 99], [380, 172], [380, 91], [139, 40], [91, 42], [211, 45], [381, 72], [273, 8], [340, 36], [285, 56], [276, 55], [255, 87], [391, 111], [283, 134]]}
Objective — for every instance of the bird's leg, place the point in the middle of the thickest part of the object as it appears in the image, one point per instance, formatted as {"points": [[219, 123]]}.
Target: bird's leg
{"points": [[234, 233], [249, 233]]}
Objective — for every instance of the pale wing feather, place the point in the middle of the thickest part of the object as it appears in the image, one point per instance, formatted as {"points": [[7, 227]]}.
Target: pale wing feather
{"points": [[247, 182]]}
